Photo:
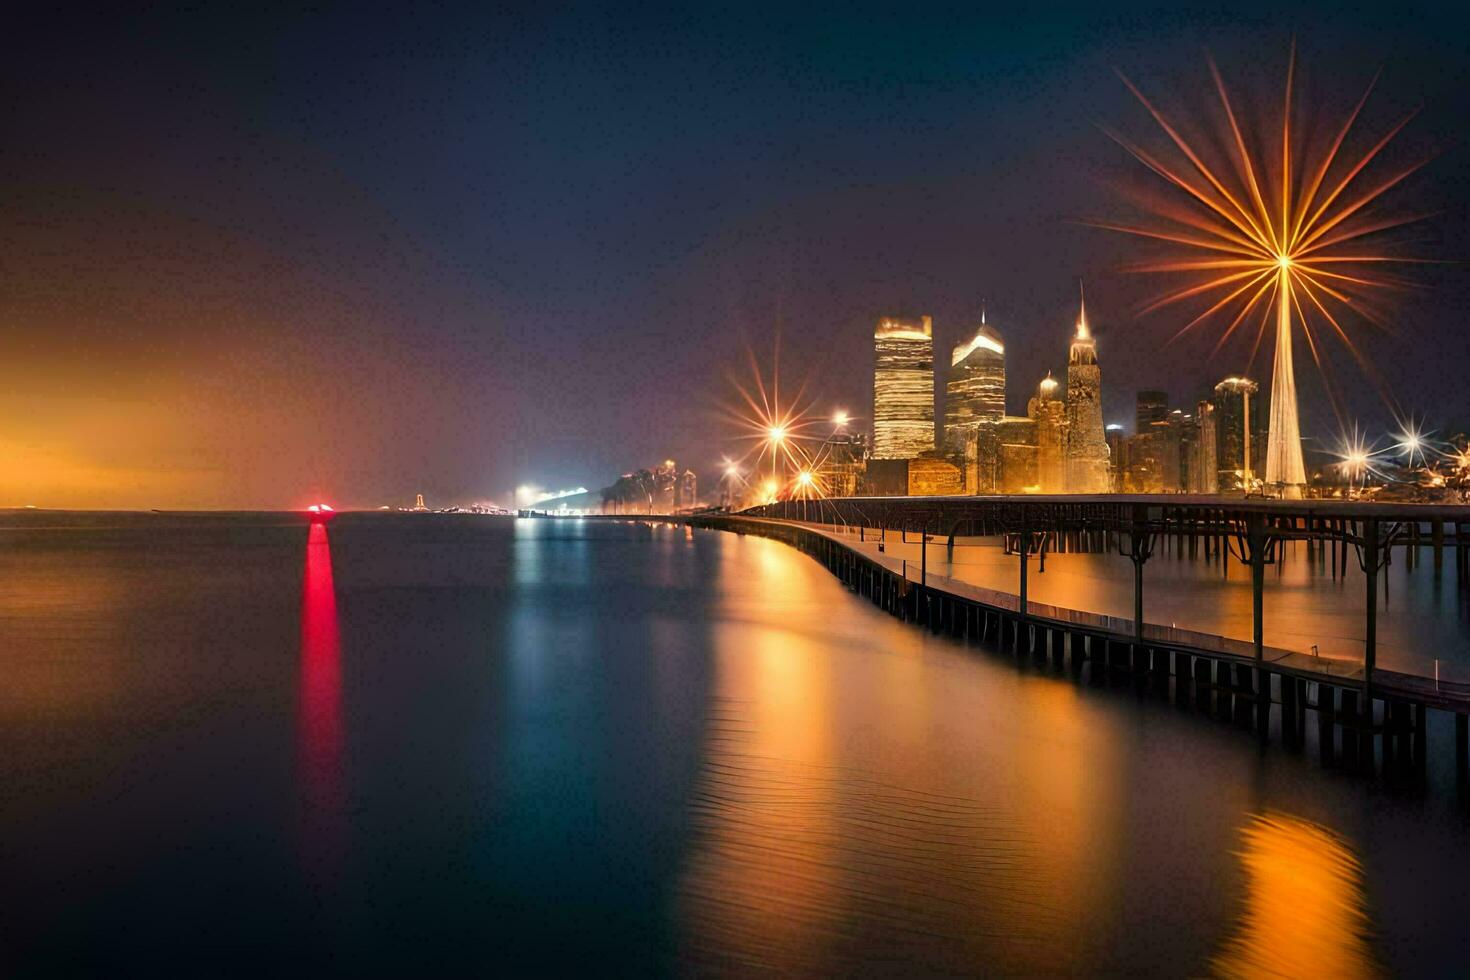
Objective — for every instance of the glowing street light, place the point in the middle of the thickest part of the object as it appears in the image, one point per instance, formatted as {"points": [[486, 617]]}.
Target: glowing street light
{"points": [[1357, 459], [1414, 444], [840, 419]]}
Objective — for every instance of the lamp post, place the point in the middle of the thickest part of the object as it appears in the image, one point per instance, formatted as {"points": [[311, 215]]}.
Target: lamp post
{"points": [[804, 483], [777, 435]]}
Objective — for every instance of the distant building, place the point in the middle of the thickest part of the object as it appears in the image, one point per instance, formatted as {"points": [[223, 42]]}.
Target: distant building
{"points": [[1087, 447], [1150, 407], [1171, 453], [968, 459], [886, 478], [903, 388], [1016, 455], [841, 464], [1187, 440], [1050, 415], [686, 492], [976, 391], [1206, 460], [1117, 441], [1163, 438], [1239, 426], [986, 463], [666, 480], [934, 474], [1146, 454]]}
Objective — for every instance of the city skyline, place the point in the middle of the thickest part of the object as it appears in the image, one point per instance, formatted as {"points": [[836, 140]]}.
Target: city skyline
{"points": [[260, 296], [667, 490], [350, 319]]}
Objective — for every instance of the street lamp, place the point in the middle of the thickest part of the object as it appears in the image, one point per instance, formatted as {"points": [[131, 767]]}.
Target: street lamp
{"points": [[777, 435]]}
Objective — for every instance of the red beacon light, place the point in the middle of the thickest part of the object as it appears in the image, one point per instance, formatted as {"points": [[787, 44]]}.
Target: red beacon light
{"points": [[320, 513]]}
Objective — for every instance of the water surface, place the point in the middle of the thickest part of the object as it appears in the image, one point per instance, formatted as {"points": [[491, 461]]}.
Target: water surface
{"points": [[235, 744]]}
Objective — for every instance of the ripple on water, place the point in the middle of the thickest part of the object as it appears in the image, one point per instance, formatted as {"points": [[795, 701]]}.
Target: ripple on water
{"points": [[809, 869], [1304, 912]]}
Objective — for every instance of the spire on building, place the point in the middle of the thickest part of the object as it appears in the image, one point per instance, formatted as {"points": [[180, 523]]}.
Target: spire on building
{"points": [[1082, 332]]}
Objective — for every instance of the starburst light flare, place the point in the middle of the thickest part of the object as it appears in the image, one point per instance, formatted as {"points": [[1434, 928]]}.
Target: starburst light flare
{"points": [[1358, 459], [777, 435], [1288, 233]]}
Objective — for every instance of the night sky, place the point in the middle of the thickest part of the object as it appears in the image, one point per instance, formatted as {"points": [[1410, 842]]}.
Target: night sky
{"points": [[253, 260]]}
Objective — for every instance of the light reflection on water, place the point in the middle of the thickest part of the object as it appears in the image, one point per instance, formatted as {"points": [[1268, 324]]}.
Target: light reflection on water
{"points": [[571, 747], [321, 707], [1305, 912]]}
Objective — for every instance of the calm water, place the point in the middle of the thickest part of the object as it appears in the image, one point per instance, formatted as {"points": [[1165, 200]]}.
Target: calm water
{"points": [[234, 745]]}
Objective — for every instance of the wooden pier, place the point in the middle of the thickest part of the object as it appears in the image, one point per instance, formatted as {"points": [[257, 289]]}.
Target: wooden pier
{"points": [[1368, 719]]}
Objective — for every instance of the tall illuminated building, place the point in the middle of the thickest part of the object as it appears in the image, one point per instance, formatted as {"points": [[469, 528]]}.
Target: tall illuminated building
{"points": [[1050, 414], [1087, 447], [976, 391], [1206, 458], [1117, 456], [1239, 433], [903, 388], [1172, 450]]}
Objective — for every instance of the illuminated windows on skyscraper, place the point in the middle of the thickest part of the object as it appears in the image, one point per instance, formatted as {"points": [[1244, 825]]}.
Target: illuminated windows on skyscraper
{"points": [[1087, 447], [903, 388], [976, 391]]}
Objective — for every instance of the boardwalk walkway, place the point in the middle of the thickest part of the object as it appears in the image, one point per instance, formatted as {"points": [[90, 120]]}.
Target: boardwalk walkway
{"points": [[900, 559]]}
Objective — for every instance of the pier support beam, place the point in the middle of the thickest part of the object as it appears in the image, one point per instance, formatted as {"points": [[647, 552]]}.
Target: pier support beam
{"points": [[1370, 634], [1256, 538], [1462, 746], [1023, 548]]}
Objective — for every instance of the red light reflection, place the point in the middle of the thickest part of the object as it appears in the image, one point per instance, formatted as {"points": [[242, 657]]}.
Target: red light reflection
{"points": [[320, 722]]}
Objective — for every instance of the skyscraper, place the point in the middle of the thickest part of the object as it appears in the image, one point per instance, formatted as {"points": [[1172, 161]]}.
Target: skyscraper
{"points": [[1148, 452], [976, 391], [1087, 447], [1188, 439], [1238, 433], [1050, 415], [903, 388], [686, 492], [1207, 467], [1117, 457], [1171, 451]]}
